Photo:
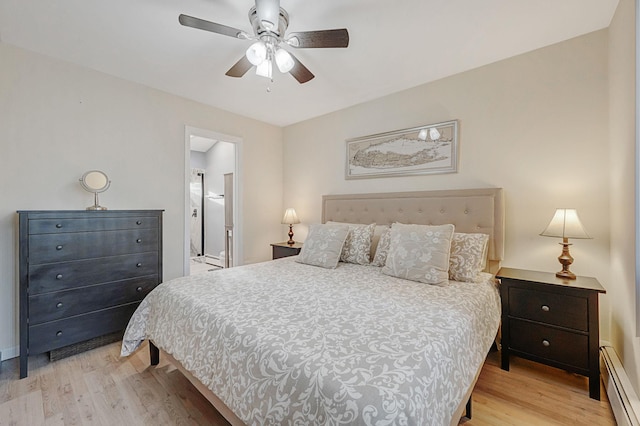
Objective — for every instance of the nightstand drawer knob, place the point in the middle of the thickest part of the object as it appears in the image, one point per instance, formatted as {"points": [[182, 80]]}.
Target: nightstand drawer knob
{"points": [[546, 343], [59, 305], [59, 277], [58, 225], [59, 247], [138, 265], [59, 333], [545, 308], [139, 240]]}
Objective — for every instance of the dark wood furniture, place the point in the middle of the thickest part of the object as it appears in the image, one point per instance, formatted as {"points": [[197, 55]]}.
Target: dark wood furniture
{"points": [[551, 320], [285, 249], [83, 273]]}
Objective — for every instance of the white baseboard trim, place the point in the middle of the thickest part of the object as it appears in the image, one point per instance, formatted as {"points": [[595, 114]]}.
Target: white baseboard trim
{"points": [[623, 398], [8, 353]]}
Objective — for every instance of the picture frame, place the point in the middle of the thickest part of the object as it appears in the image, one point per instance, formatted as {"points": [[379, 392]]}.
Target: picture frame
{"points": [[429, 149]]}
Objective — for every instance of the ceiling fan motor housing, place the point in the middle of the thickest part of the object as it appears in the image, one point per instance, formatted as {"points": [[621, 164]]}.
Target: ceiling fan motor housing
{"points": [[260, 30]]}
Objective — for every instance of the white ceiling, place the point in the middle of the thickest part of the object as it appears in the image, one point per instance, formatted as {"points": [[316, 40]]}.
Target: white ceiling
{"points": [[394, 45]]}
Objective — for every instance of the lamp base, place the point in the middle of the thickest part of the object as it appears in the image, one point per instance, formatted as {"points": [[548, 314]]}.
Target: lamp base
{"points": [[567, 275], [291, 242], [565, 260]]}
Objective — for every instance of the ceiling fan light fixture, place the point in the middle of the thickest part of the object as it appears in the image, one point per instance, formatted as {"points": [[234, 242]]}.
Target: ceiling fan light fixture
{"points": [[284, 61], [257, 53], [265, 69]]}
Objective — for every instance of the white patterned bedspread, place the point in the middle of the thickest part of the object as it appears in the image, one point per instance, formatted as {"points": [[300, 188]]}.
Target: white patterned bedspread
{"points": [[286, 343]]}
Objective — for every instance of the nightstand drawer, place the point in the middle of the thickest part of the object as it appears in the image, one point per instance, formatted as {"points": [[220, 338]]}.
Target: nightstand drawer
{"points": [[552, 344], [549, 308]]}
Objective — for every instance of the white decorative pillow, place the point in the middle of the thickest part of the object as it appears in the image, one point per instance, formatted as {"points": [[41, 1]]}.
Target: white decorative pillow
{"points": [[323, 245], [382, 251], [375, 240], [468, 252], [357, 246], [419, 253]]}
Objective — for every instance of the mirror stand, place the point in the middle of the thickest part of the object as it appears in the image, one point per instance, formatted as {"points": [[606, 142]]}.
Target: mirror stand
{"points": [[96, 204], [95, 181]]}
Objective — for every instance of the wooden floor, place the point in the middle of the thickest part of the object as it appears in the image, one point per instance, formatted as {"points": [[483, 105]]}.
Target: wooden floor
{"points": [[100, 388]]}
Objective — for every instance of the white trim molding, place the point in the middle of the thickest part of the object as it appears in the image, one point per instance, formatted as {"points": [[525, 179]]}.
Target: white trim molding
{"points": [[622, 397]]}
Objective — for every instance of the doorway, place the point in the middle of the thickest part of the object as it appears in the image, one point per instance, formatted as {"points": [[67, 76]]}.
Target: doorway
{"points": [[212, 209]]}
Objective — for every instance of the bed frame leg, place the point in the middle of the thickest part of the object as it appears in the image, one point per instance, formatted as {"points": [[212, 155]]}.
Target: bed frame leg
{"points": [[468, 412], [154, 354]]}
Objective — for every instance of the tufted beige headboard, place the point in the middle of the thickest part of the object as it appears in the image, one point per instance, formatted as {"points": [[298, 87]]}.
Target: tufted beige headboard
{"points": [[470, 210]]}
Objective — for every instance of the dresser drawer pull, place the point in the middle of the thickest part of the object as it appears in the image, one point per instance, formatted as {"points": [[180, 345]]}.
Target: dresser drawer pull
{"points": [[59, 247], [59, 305], [59, 277], [139, 289], [59, 333], [138, 222], [546, 343], [138, 265], [58, 225], [139, 240], [545, 308]]}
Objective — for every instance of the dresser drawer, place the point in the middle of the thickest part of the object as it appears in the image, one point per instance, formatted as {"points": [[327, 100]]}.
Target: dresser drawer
{"points": [[49, 248], [61, 304], [549, 308], [561, 346], [56, 334], [83, 224], [66, 275]]}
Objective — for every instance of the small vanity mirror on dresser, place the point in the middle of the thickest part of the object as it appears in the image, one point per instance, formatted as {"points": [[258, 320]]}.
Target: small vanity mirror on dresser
{"points": [[95, 181]]}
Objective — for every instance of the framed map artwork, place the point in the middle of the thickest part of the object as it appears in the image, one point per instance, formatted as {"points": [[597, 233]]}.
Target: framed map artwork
{"points": [[420, 150]]}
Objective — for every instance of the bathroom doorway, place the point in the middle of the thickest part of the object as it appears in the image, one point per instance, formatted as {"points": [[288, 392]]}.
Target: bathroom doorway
{"points": [[212, 226]]}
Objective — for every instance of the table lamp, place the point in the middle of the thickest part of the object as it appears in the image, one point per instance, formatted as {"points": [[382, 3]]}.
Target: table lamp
{"points": [[290, 217], [565, 224]]}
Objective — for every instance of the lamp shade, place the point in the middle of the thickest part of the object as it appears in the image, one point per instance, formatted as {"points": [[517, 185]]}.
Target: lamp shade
{"points": [[565, 224], [290, 217]]}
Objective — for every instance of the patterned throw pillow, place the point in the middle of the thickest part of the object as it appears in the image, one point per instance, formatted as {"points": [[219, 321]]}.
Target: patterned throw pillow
{"points": [[419, 253], [323, 245], [382, 251], [468, 253], [357, 247]]}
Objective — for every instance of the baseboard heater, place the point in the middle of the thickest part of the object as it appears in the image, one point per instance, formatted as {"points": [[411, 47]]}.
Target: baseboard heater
{"points": [[622, 397]]}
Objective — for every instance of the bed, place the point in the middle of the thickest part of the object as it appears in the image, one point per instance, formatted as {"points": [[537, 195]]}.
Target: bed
{"points": [[284, 342]]}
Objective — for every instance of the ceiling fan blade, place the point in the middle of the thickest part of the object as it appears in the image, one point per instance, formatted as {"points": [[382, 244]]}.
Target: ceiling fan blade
{"points": [[240, 68], [322, 38], [201, 24], [300, 72]]}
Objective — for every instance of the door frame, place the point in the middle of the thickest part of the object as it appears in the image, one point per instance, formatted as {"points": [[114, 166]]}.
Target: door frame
{"points": [[237, 192]]}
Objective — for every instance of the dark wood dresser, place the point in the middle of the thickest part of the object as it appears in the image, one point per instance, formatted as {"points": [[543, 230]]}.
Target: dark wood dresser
{"points": [[552, 320], [83, 273]]}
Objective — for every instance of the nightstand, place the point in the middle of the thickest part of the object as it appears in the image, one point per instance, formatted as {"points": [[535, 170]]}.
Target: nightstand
{"points": [[285, 249], [551, 320]]}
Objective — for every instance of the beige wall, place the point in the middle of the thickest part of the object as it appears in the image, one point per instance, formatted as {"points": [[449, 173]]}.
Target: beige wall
{"points": [[622, 291], [58, 120], [535, 125]]}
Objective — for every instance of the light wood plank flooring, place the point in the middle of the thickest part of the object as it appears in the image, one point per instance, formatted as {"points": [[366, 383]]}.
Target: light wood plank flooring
{"points": [[100, 388]]}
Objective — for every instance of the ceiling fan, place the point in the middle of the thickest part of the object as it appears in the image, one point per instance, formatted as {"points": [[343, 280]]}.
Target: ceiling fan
{"points": [[270, 22]]}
